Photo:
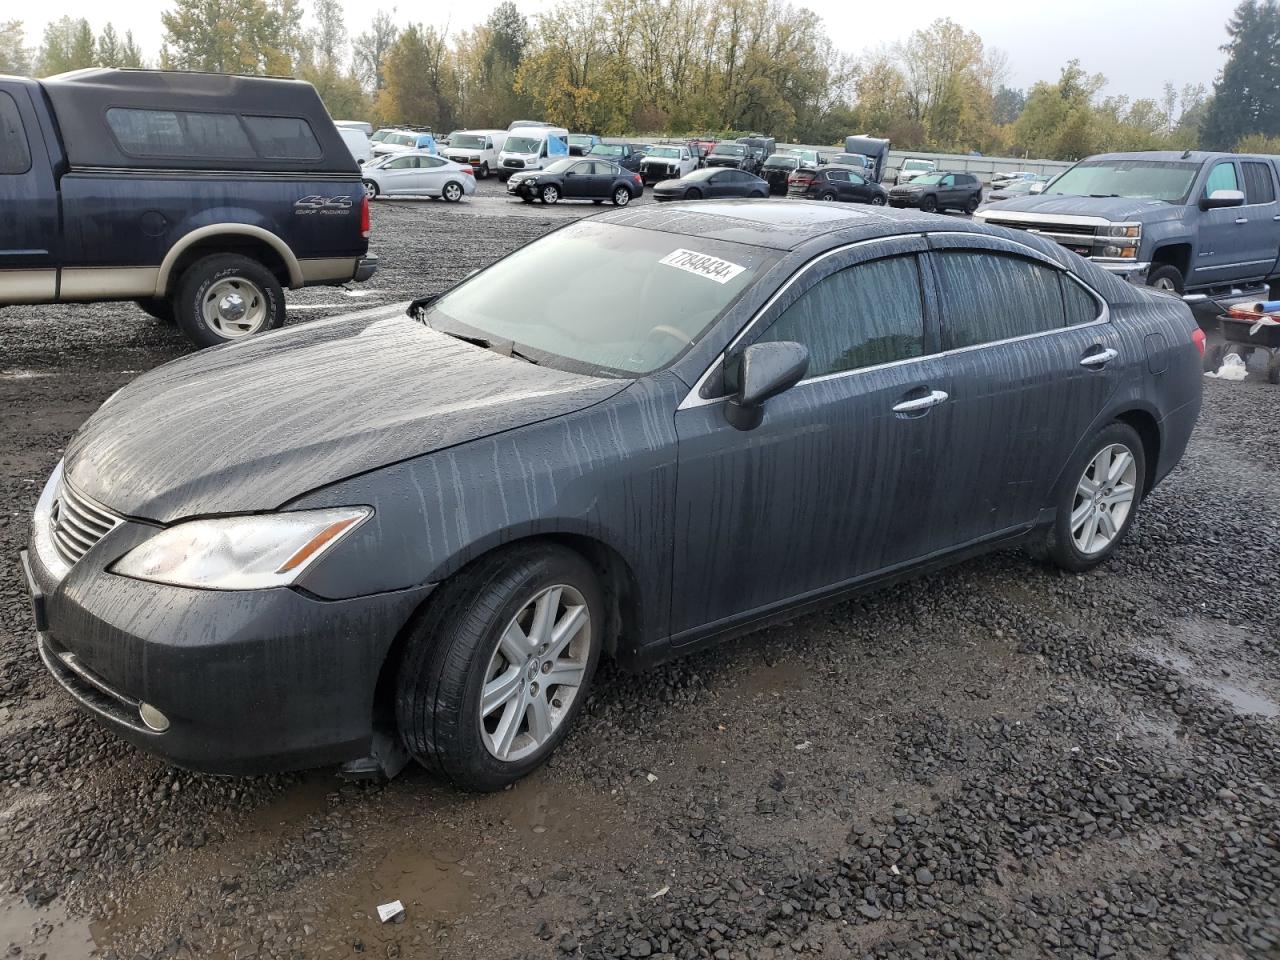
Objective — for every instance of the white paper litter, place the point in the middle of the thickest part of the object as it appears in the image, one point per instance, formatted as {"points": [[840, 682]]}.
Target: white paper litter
{"points": [[389, 911], [659, 893]]}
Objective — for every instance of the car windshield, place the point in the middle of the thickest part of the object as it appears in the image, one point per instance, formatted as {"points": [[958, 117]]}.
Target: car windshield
{"points": [[401, 139], [783, 162], [928, 178], [467, 141], [917, 165], [380, 135], [1018, 186], [1169, 181], [580, 139], [523, 144], [730, 150], [610, 300], [606, 150], [850, 159], [560, 166], [664, 152]]}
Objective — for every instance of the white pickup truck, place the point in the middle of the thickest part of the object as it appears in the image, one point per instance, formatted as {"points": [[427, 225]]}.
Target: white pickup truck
{"points": [[667, 162]]}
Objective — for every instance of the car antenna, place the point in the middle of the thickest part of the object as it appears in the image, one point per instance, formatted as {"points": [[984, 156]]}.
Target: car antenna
{"points": [[1185, 154]]}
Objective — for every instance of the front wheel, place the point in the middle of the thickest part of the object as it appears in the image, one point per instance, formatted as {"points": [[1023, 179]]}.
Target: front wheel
{"points": [[227, 297], [452, 191], [1167, 278], [877, 201], [621, 197], [494, 675], [484, 171], [549, 194], [1098, 499], [929, 204], [693, 193]]}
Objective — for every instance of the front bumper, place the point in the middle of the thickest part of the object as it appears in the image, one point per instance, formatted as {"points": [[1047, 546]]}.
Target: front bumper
{"points": [[250, 681], [365, 268], [904, 199]]}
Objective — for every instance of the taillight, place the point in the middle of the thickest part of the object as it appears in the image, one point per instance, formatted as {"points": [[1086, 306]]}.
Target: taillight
{"points": [[638, 179], [469, 171], [365, 227], [1198, 338]]}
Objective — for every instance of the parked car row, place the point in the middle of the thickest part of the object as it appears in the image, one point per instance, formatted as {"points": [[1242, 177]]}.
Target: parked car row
{"points": [[578, 178]]}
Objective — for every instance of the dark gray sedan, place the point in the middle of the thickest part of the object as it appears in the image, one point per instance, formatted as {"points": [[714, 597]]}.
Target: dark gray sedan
{"points": [[636, 435]]}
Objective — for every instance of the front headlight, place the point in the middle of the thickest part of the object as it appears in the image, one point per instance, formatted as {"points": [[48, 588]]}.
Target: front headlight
{"points": [[241, 553], [1124, 230]]}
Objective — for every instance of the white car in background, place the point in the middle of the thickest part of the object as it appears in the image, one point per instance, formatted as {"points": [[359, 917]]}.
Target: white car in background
{"points": [[418, 173], [913, 168], [358, 143]]}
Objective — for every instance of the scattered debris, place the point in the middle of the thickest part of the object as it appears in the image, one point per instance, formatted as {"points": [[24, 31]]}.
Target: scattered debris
{"points": [[391, 911]]}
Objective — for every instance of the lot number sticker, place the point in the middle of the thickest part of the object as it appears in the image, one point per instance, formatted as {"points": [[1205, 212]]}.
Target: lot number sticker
{"points": [[702, 264]]}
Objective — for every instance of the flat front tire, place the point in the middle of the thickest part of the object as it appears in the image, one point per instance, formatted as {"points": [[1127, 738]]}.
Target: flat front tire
{"points": [[227, 297], [494, 674], [1098, 499]]}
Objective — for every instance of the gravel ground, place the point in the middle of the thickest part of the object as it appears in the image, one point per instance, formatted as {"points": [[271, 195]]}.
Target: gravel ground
{"points": [[998, 759]]}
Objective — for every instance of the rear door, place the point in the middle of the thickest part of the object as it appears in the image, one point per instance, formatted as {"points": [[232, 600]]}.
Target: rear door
{"points": [[1032, 361], [1261, 230], [28, 196], [433, 173]]}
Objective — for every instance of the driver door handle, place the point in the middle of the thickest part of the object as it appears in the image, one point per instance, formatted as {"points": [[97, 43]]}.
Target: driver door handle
{"points": [[1242, 219], [934, 398], [1099, 359]]}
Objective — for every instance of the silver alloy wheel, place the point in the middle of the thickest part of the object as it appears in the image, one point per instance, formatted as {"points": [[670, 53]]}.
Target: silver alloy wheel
{"points": [[452, 192], [550, 194], [1104, 498], [370, 190], [622, 196], [234, 307], [877, 201], [535, 673], [1165, 284]]}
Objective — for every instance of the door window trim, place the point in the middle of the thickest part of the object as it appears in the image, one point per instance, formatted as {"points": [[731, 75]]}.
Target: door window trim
{"points": [[928, 275]]}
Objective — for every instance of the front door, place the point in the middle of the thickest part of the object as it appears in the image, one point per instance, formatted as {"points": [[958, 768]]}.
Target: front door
{"points": [[1222, 238], [1029, 378], [400, 175], [29, 227], [825, 491]]}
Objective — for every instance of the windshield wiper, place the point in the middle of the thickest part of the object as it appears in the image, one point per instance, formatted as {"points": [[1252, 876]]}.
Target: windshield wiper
{"points": [[523, 356], [1104, 196]]}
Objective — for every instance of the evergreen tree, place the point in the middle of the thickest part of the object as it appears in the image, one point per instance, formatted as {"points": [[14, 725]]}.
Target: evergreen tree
{"points": [[1246, 96], [14, 56], [233, 36], [68, 45]]}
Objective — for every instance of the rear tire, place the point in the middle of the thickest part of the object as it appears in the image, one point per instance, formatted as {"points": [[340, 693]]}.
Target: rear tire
{"points": [[161, 308], [621, 197], [227, 297], [972, 206], [452, 191], [1067, 542], [1167, 278], [370, 189], [460, 647]]}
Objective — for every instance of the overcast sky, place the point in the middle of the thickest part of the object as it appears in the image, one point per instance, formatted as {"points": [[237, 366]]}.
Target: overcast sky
{"points": [[1137, 44]]}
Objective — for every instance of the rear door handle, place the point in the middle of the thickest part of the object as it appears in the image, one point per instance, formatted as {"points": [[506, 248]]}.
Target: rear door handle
{"points": [[1099, 359], [1242, 219], [934, 398]]}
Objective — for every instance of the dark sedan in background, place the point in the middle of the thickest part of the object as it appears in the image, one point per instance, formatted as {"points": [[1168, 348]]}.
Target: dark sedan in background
{"points": [[624, 155], [433, 523], [712, 183], [577, 178], [939, 191], [836, 183]]}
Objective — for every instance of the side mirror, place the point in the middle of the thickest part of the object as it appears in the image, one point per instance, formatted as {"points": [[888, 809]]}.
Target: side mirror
{"points": [[765, 370], [1222, 198]]}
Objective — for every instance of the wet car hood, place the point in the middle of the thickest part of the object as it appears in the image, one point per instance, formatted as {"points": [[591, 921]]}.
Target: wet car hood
{"points": [[252, 426], [1109, 208]]}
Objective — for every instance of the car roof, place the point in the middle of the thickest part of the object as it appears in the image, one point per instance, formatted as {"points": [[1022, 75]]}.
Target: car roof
{"points": [[784, 224], [1190, 156]]}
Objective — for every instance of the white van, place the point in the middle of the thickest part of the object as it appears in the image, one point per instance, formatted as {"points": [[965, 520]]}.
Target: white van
{"points": [[361, 125], [532, 148], [480, 148], [357, 142]]}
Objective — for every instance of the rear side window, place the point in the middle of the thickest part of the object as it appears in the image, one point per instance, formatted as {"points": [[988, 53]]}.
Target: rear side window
{"points": [[989, 297], [15, 152], [862, 316], [284, 138], [1259, 187], [169, 133], [1081, 306]]}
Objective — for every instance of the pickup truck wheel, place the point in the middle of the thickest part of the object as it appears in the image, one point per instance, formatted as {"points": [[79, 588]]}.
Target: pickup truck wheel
{"points": [[1167, 278], [484, 171], [452, 191], [494, 674], [158, 307], [227, 297], [370, 189]]}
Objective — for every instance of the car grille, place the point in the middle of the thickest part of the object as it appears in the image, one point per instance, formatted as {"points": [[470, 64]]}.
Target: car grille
{"points": [[1070, 229], [79, 523], [514, 164]]}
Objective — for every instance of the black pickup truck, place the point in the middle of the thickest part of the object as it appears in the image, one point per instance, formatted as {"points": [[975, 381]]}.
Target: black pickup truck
{"points": [[200, 196]]}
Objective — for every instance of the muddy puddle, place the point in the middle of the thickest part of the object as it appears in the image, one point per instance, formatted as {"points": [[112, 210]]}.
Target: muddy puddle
{"points": [[47, 931], [1214, 645]]}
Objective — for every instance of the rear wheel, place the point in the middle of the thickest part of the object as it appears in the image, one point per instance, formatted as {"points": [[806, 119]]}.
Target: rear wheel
{"points": [[621, 197], [493, 677], [158, 307], [972, 205], [452, 191], [1098, 499], [827, 195], [549, 194], [227, 297], [370, 189]]}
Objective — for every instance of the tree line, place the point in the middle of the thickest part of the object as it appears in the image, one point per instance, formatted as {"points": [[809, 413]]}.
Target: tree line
{"points": [[693, 66]]}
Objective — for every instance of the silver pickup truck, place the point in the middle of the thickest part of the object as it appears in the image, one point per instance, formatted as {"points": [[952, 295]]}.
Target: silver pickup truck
{"points": [[1201, 225]]}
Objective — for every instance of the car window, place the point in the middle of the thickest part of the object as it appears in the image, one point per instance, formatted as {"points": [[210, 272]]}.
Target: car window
{"points": [[581, 169], [990, 296], [284, 138], [837, 175], [1221, 177], [861, 316], [15, 152], [427, 163], [1259, 187], [402, 163], [948, 181], [1081, 306], [856, 179]]}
